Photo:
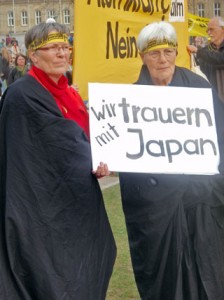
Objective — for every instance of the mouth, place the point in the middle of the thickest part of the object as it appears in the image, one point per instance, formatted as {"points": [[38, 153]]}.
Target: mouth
{"points": [[163, 68], [61, 64]]}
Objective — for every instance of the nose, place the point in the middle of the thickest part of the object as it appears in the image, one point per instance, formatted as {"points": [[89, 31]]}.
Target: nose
{"points": [[60, 48], [61, 51], [162, 56]]}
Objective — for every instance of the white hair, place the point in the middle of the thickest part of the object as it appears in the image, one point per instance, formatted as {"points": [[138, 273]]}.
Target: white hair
{"points": [[220, 21], [156, 31]]}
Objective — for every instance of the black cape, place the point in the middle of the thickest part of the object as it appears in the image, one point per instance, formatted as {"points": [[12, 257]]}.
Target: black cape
{"points": [[55, 238], [175, 223]]}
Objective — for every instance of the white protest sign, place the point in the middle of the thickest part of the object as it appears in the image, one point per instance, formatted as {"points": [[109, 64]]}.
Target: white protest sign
{"points": [[153, 129]]}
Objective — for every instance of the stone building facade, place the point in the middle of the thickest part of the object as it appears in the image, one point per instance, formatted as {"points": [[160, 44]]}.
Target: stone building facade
{"points": [[206, 8], [17, 16]]}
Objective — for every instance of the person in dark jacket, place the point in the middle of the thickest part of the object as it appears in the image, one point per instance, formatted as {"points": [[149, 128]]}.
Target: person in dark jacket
{"points": [[211, 57], [175, 222], [55, 238]]}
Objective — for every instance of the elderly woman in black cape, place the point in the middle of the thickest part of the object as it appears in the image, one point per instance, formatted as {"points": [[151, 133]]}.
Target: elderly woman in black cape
{"points": [[175, 223], [55, 239]]}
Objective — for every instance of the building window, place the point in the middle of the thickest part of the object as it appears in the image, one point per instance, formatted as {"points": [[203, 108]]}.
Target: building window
{"points": [[66, 16], [37, 17], [24, 18], [217, 12], [201, 10], [10, 19], [51, 14]]}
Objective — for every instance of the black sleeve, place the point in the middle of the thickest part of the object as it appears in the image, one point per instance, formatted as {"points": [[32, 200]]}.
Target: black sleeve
{"points": [[219, 113], [212, 57], [11, 77]]}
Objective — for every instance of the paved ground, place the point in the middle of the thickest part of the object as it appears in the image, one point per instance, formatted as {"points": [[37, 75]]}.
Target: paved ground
{"points": [[108, 181]]}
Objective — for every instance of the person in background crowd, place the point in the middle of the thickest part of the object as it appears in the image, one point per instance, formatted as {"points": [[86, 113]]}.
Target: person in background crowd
{"points": [[6, 60], [200, 41], [1, 75], [0, 88], [71, 39], [2, 44], [55, 238], [211, 57], [14, 50], [8, 40], [175, 223], [1, 64], [23, 49], [69, 74], [19, 70]]}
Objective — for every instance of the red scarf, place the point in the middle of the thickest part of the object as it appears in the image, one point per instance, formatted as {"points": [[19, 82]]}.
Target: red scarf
{"points": [[68, 100]]}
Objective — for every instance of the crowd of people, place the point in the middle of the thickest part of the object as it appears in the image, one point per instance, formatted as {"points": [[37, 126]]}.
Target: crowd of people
{"points": [[56, 241], [15, 63]]}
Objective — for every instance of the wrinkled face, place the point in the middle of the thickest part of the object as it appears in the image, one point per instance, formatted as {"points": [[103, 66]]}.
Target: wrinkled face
{"points": [[161, 64], [53, 59], [215, 32]]}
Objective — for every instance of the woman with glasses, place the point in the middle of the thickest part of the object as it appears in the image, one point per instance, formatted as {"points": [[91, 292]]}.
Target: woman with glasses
{"points": [[175, 222], [55, 238]]}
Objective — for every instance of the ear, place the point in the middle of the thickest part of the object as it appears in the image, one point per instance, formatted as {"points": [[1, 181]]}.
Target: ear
{"points": [[32, 55]]}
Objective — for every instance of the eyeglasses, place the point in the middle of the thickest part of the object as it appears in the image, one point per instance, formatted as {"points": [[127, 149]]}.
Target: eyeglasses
{"points": [[168, 53], [56, 48]]}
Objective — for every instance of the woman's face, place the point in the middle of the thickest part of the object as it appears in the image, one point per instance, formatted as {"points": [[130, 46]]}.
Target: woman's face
{"points": [[161, 64], [21, 61], [53, 59]]}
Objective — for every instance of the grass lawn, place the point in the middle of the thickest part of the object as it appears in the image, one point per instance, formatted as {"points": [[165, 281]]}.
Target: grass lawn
{"points": [[122, 284]]}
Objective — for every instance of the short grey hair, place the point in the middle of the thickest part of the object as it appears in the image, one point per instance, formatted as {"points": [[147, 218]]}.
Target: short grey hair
{"points": [[156, 31], [41, 31]]}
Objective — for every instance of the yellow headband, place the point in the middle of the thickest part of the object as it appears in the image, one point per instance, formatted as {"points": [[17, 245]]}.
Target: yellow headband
{"points": [[52, 38], [159, 44]]}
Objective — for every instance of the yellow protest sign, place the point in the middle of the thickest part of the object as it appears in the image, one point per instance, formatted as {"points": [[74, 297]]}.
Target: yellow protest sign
{"points": [[105, 37], [197, 26]]}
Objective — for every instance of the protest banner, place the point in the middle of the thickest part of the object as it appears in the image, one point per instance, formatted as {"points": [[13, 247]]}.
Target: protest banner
{"points": [[137, 128], [105, 47], [197, 26]]}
